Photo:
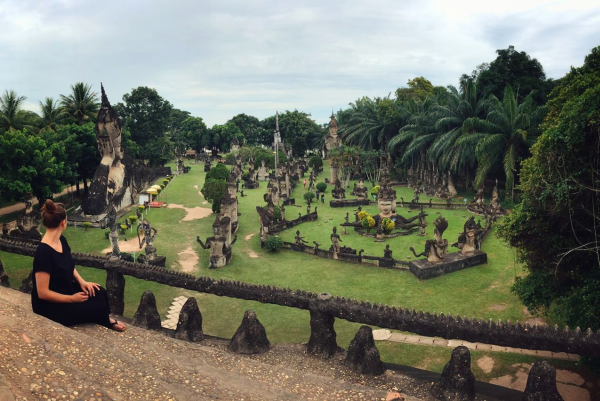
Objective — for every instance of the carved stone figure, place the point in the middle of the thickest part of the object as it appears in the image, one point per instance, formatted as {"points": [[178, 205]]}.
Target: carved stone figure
{"points": [[235, 144], [387, 252], [386, 197], [146, 235], [300, 240], [28, 222], [457, 381], [468, 237], [332, 140], [335, 241], [495, 201], [436, 248], [263, 172], [361, 191], [338, 192]]}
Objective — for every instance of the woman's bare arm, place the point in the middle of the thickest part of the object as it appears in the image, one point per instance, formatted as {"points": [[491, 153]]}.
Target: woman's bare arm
{"points": [[42, 280]]}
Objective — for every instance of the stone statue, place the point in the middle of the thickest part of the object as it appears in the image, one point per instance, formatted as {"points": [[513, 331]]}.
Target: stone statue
{"points": [[422, 222], [436, 248], [146, 235], [387, 252], [28, 222], [338, 192], [111, 223], [335, 241], [495, 201], [361, 191], [300, 240], [386, 197], [467, 240], [332, 140]]}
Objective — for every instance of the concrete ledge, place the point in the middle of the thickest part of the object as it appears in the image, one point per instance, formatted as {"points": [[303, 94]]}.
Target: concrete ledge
{"points": [[452, 262]]}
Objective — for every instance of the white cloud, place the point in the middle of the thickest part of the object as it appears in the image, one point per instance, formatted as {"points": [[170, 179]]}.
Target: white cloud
{"points": [[219, 58]]}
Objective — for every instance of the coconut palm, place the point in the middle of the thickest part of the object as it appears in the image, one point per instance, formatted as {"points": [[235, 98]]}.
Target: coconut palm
{"points": [[502, 137], [82, 104], [11, 114], [52, 115], [373, 122]]}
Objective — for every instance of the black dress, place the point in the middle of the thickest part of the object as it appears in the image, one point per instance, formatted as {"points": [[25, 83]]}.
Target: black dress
{"points": [[60, 266]]}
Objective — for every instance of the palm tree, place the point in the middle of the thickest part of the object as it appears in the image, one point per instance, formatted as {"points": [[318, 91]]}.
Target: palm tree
{"points": [[502, 137], [52, 115], [373, 122], [454, 149], [82, 104], [11, 115]]}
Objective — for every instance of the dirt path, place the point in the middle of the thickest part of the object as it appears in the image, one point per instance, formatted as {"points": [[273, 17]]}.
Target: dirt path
{"points": [[20, 206], [192, 213], [188, 259]]}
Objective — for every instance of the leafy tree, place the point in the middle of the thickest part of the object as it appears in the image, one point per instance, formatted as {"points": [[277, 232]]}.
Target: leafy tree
{"points": [[309, 196], [321, 187], [253, 131], [273, 243], [502, 137], [11, 114], [82, 104], [218, 172], [176, 120], [315, 162], [147, 116], [555, 227], [418, 89], [219, 137], [213, 191], [29, 164], [518, 70], [194, 130], [52, 115], [297, 129]]}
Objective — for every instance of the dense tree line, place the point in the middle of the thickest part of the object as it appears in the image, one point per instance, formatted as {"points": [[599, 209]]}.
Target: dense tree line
{"points": [[480, 130]]}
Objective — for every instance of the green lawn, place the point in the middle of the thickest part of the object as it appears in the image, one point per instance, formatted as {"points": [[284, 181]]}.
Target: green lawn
{"points": [[481, 292]]}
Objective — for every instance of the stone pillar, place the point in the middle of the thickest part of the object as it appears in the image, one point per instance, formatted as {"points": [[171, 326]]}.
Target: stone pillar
{"points": [[115, 286], [457, 381], [3, 277], [363, 356], [322, 340], [250, 337], [27, 284], [541, 383], [147, 316], [189, 326]]}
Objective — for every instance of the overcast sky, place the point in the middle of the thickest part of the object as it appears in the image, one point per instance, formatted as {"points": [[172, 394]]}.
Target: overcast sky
{"points": [[217, 59]]}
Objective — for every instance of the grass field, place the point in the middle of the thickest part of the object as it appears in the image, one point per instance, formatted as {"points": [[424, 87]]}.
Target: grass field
{"points": [[481, 292]]}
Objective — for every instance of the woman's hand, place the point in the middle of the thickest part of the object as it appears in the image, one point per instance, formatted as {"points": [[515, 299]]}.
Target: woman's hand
{"points": [[89, 288], [79, 297]]}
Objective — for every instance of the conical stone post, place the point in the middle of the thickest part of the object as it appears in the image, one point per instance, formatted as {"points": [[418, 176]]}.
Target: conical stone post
{"points": [[250, 337], [27, 284], [189, 326], [147, 316], [363, 356], [457, 381], [3, 277], [541, 383]]}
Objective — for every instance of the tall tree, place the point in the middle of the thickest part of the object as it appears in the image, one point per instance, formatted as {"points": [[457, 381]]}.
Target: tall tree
{"points": [[518, 70], [502, 138], [254, 132], [52, 115], [418, 89], [147, 116], [219, 137], [11, 113], [555, 227], [194, 129], [82, 104]]}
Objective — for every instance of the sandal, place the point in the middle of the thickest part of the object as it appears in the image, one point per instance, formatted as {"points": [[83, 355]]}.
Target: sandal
{"points": [[113, 326]]}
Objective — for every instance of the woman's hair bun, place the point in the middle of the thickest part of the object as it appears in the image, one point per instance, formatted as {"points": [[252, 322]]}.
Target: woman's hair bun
{"points": [[49, 206]]}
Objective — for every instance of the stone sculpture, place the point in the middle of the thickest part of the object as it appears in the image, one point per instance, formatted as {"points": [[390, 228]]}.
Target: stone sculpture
{"points": [[541, 383], [263, 172], [146, 235], [332, 140], [3, 277], [386, 197], [117, 180], [189, 325], [335, 242], [467, 240], [361, 191], [436, 248], [111, 222], [338, 192], [28, 222], [300, 240], [220, 244]]}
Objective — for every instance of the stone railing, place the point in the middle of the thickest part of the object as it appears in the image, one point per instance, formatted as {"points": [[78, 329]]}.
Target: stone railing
{"points": [[324, 308]]}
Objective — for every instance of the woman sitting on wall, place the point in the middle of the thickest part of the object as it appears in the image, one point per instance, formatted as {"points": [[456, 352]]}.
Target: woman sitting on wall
{"points": [[59, 292]]}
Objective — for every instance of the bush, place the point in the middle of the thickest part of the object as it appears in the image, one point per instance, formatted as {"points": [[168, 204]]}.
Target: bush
{"points": [[309, 196], [218, 172], [315, 162], [141, 208], [321, 187], [106, 234], [245, 176], [361, 215], [387, 225], [165, 181], [132, 218], [273, 243], [368, 222], [87, 225], [375, 190], [162, 186], [124, 226], [277, 213]]}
